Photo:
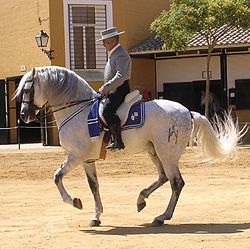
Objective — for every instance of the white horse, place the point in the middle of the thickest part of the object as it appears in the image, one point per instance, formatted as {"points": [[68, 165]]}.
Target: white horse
{"points": [[165, 134]]}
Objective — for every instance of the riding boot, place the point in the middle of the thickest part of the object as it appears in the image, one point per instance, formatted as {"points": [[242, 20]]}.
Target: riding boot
{"points": [[118, 137], [115, 129]]}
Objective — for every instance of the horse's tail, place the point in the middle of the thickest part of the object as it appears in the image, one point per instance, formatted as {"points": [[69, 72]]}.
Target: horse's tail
{"points": [[217, 142]]}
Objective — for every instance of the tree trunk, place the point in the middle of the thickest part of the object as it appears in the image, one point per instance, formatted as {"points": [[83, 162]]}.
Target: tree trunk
{"points": [[207, 83]]}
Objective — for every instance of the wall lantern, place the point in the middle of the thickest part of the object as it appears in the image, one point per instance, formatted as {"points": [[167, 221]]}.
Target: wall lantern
{"points": [[42, 41]]}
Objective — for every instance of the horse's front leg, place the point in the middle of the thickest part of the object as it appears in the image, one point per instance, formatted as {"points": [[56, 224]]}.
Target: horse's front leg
{"points": [[67, 166], [90, 171]]}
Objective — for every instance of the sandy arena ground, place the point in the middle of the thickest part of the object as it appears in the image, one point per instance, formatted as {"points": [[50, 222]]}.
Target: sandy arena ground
{"points": [[213, 210]]}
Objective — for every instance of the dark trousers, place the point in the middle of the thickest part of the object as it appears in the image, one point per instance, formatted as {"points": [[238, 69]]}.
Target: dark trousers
{"points": [[113, 100]]}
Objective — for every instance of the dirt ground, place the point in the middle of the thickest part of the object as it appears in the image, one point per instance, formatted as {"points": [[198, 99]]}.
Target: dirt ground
{"points": [[213, 210]]}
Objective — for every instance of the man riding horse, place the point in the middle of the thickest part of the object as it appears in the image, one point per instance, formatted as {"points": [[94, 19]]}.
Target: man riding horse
{"points": [[116, 83]]}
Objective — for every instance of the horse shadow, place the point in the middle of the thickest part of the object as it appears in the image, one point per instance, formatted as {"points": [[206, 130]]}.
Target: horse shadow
{"points": [[209, 228]]}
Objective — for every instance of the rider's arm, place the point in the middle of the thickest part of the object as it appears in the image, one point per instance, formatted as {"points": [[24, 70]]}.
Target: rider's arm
{"points": [[122, 66]]}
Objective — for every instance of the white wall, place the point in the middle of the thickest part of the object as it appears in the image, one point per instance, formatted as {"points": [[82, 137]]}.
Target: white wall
{"points": [[184, 70], [238, 67], [190, 69]]}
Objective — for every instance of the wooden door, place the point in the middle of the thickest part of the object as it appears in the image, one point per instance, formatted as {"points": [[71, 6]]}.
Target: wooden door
{"points": [[11, 110]]}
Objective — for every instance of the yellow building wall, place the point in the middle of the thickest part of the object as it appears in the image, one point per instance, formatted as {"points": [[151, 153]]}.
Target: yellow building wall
{"points": [[57, 44], [19, 24], [135, 17], [21, 20], [57, 32], [143, 76]]}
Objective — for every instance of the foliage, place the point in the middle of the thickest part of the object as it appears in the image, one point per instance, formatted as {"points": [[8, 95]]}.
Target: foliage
{"points": [[206, 17], [211, 19]]}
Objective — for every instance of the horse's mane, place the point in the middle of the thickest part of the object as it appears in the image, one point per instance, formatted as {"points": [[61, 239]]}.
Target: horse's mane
{"points": [[66, 83], [19, 89]]}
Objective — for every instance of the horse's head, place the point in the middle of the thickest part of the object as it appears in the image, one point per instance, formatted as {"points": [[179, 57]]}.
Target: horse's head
{"points": [[28, 93], [53, 86]]}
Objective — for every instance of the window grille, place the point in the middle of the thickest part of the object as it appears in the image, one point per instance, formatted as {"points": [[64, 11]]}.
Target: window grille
{"points": [[85, 24]]}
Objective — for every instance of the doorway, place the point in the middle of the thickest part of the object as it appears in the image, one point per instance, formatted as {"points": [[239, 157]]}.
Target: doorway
{"points": [[189, 93], [29, 133]]}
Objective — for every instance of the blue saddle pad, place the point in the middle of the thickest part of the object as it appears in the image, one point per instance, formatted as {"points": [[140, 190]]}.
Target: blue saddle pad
{"points": [[136, 118], [93, 120]]}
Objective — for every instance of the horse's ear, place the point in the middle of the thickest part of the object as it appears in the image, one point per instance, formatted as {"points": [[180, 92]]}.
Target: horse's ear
{"points": [[33, 73]]}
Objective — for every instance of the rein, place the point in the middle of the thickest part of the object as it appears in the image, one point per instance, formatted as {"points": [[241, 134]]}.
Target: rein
{"points": [[71, 116], [28, 98], [67, 105]]}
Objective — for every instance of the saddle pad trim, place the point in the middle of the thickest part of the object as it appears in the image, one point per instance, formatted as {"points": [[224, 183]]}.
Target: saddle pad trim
{"points": [[133, 113]]}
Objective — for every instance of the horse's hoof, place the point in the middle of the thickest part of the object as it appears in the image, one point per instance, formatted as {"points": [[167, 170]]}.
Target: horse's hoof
{"points": [[77, 203], [140, 206], [157, 223], [94, 223]]}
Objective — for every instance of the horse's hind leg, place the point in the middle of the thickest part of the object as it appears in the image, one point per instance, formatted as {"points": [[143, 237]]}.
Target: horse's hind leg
{"points": [[177, 183], [68, 164], [141, 203], [90, 171]]}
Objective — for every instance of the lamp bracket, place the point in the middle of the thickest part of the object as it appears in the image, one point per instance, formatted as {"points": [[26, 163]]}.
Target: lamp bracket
{"points": [[48, 53]]}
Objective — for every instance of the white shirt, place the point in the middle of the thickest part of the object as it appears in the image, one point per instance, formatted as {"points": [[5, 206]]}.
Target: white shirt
{"points": [[113, 49]]}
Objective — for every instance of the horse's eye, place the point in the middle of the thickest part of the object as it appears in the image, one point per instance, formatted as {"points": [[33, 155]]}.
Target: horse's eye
{"points": [[26, 91]]}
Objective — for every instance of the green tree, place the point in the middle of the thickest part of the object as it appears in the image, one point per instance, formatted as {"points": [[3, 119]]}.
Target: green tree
{"points": [[211, 19]]}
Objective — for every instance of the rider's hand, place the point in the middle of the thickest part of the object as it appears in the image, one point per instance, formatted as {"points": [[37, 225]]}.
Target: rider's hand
{"points": [[101, 91]]}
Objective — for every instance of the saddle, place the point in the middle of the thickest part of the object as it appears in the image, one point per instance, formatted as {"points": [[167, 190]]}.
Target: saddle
{"points": [[123, 110], [131, 113]]}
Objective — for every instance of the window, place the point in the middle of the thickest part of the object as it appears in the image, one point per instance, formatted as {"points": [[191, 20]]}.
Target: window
{"points": [[85, 23]]}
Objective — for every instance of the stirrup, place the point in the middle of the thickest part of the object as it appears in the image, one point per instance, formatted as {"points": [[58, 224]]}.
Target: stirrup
{"points": [[113, 146]]}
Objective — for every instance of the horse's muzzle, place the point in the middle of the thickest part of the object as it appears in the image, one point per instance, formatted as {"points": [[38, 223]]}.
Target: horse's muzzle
{"points": [[28, 116]]}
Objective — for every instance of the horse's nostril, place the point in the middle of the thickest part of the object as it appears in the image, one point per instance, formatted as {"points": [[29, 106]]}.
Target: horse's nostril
{"points": [[22, 116]]}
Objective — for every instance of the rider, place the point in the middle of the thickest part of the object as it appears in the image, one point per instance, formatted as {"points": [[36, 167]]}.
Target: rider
{"points": [[116, 82]]}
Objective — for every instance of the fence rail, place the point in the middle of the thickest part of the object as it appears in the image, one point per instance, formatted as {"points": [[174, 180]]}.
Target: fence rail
{"points": [[19, 127]]}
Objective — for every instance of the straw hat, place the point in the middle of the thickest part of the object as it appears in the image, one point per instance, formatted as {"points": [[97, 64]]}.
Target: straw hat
{"points": [[108, 33]]}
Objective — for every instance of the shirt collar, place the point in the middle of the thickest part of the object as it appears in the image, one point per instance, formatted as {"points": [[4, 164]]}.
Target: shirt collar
{"points": [[114, 48]]}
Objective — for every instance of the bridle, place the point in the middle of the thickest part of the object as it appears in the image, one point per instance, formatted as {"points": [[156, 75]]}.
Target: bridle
{"points": [[28, 98]]}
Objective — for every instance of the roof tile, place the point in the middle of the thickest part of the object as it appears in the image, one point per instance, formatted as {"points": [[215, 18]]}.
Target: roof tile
{"points": [[233, 37]]}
